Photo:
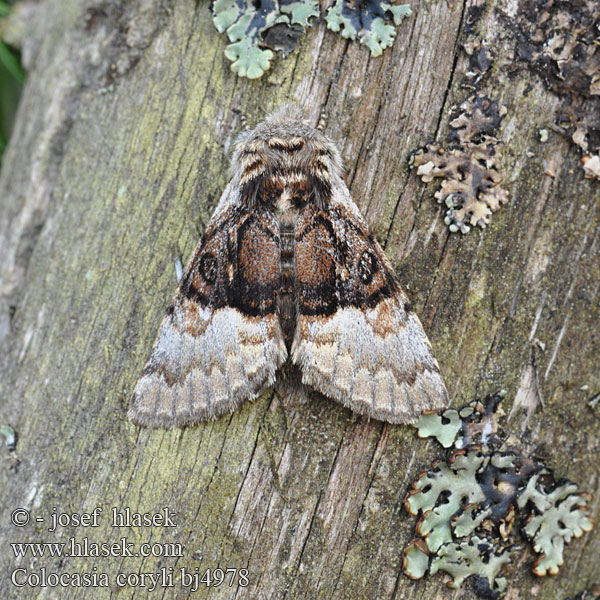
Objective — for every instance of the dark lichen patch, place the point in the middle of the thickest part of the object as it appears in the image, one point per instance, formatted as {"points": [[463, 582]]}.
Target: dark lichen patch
{"points": [[559, 41], [591, 594], [480, 59], [474, 423], [473, 15], [282, 37], [582, 127], [476, 120], [479, 421], [480, 54], [468, 166], [469, 503]]}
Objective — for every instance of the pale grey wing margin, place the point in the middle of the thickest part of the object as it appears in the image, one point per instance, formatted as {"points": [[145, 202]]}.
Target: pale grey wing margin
{"points": [[209, 356], [192, 378], [388, 375]]}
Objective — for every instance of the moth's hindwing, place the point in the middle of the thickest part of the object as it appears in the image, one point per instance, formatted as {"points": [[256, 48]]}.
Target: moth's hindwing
{"points": [[357, 340], [220, 342]]}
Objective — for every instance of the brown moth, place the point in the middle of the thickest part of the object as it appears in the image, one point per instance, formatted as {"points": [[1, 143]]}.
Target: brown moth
{"points": [[287, 271]]}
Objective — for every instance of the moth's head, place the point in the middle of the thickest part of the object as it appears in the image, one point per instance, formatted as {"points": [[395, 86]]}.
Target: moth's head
{"points": [[286, 155]]}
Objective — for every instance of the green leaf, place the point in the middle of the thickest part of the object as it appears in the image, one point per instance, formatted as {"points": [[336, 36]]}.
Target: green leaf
{"points": [[5, 9], [11, 63]]}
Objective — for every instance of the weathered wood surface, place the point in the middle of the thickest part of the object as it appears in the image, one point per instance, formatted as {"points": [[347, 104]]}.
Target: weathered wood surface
{"points": [[118, 158]]}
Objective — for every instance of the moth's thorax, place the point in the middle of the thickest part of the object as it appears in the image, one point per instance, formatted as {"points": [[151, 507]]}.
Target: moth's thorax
{"points": [[285, 170], [283, 167], [287, 211]]}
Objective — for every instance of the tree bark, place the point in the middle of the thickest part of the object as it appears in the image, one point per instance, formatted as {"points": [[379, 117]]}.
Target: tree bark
{"points": [[119, 156]]}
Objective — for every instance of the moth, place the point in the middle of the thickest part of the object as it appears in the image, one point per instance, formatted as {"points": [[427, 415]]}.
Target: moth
{"points": [[287, 271]]}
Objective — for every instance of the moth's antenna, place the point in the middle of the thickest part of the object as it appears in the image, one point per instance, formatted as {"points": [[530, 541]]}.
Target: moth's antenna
{"points": [[322, 121]]}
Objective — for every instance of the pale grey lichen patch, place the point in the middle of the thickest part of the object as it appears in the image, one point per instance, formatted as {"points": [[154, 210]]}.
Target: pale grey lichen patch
{"points": [[301, 12], [438, 495], [10, 437], [559, 41], [444, 427], [10, 440], [468, 166], [258, 29], [415, 559], [467, 505]]}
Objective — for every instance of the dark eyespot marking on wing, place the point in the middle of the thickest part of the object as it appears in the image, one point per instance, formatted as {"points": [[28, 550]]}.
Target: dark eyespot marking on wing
{"points": [[208, 268], [367, 266]]}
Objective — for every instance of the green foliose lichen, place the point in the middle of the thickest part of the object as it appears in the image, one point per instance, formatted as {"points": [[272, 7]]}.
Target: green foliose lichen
{"points": [[257, 29], [244, 24], [557, 513], [478, 557], [368, 21], [431, 496], [300, 11], [444, 428], [467, 505]]}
